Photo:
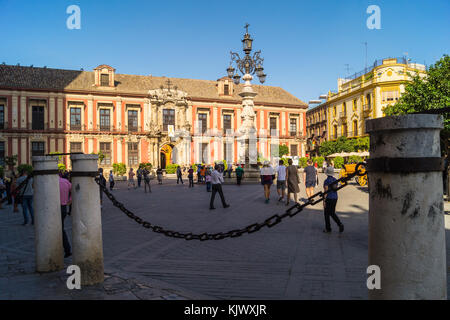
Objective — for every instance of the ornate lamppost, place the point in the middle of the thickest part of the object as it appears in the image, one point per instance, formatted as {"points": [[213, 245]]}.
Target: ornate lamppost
{"points": [[247, 66]]}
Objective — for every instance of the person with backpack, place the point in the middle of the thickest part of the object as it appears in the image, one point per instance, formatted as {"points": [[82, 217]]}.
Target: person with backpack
{"points": [[191, 177], [330, 201], [139, 176], [146, 174], [25, 196], [239, 174], [179, 175], [111, 180]]}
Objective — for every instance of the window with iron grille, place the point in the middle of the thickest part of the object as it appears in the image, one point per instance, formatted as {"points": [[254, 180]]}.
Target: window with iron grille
{"points": [[132, 120], [105, 120], [37, 118], [2, 116], [105, 148], [133, 154], [203, 157], [294, 151], [293, 126], [228, 151], [37, 149], [226, 122], [202, 122], [168, 118], [104, 79], [226, 89], [273, 124], [355, 127], [2, 154], [75, 147], [75, 118]]}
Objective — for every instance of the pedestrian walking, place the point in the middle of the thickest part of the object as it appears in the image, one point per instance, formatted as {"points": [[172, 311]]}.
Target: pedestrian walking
{"points": [[239, 174], [293, 181], [159, 174], [216, 181], [281, 180], [324, 166], [203, 174], [208, 180], [25, 196], [267, 176], [230, 170], [139, 176], [330, 201], [191, 177], [310, 176], [131, 175], [179, 175], [102, 182], [199, 176], [111, 180], [146, 174], [65, 197]]}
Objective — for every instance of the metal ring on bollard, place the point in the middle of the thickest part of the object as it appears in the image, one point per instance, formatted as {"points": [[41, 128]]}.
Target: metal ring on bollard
{"points": [[84, 173], [406, 165], [44, 172]]}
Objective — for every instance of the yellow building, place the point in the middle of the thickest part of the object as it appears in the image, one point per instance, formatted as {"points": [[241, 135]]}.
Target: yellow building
{"points": [[366, 94]]}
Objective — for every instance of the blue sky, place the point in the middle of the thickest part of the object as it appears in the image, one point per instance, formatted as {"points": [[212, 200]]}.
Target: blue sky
{"points": [[305, 44]]}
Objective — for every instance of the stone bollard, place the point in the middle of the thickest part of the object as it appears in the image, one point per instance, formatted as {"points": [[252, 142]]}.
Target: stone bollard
{"points": [[86, 219], [406, 214], [47, 210]]}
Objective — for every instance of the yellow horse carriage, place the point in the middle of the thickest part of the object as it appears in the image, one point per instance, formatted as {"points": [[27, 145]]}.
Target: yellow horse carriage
{"points": [[350, 169]]}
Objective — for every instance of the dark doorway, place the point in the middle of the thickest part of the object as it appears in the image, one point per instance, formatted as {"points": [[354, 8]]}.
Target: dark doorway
{"points": [[163, 160]]}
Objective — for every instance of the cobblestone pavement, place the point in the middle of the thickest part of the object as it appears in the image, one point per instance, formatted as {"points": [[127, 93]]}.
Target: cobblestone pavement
{"points": [[293, 260]]}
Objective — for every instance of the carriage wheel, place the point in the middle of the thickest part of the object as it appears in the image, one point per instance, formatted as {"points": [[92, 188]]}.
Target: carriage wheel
{"points": [[362, 180]]}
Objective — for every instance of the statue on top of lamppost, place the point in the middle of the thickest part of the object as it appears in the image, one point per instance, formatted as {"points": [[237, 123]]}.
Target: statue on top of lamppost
{"points": [[248, 66]]}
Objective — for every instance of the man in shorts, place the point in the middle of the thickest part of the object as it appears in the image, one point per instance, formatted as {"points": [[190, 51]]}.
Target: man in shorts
{"points": [[310, 177], [281, 180]]}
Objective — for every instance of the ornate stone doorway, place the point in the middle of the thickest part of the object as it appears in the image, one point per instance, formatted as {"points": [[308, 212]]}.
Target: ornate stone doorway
{"points": [[165, 155]]}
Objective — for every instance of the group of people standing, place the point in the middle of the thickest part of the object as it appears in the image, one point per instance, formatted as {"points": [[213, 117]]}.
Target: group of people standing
{"points": [[288, 178]]}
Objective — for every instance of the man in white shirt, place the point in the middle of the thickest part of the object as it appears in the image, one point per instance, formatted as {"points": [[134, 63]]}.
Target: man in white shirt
{"points": [[216, 181], [281, 180]]}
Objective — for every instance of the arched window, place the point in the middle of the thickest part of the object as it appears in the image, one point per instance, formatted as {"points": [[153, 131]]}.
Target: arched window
{"points": [[355, 128]]}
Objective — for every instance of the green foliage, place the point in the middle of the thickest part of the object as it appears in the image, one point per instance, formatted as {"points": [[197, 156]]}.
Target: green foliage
{"points": [[61, 167], [101, 156], [283, 150], [355, 159], [342, 144], [59, 157], [171, 168], [119, 169], [431, 92], [303, 162], [27, 167], [261, 159], [11, 160], [146, 165], [338, 162], [319, 161], [285, 161]]}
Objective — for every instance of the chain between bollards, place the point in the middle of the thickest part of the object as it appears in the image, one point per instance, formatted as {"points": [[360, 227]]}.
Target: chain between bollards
{"points": [[269, 222]]}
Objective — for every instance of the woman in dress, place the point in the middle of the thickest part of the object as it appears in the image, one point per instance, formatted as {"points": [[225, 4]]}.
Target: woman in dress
{"points": [[293, 181], [267, 179]]}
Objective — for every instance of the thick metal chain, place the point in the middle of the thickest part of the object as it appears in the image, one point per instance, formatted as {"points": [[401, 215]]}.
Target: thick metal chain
{"points": [[269, 222]]}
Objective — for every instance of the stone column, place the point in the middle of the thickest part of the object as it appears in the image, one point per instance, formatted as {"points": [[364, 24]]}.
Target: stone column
{"points": [[47, 210], [406, 215], [86, 220]]}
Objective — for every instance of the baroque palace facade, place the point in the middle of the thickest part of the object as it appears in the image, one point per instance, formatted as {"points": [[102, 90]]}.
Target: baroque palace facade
{"points": [[363, 96], [133, 119]]}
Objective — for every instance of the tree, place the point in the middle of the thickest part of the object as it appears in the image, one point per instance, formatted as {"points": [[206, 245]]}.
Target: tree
{"points": [[430, 92], [11, 161], [119, 169], [283, 150]]}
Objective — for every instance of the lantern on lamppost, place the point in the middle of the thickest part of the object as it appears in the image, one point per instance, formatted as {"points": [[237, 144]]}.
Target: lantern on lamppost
{"points": [[248, 64]]}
